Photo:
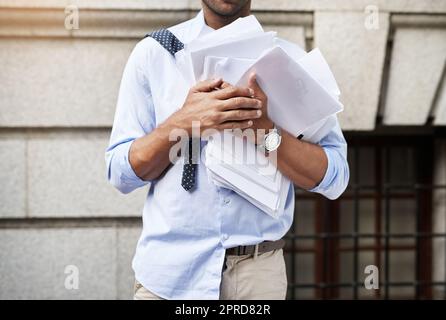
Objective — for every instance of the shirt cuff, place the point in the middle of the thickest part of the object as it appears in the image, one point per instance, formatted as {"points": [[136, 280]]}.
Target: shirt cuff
{"points": [[326, 182], [128, 180]]}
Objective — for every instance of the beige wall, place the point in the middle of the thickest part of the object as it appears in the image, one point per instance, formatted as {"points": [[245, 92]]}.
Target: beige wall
{"points": [[58, 90]]}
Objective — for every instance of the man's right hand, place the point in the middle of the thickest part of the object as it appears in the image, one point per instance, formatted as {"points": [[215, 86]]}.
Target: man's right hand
{"points": [[217, 108]]}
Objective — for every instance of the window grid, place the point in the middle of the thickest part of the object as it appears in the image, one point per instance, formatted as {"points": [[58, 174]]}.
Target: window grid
{"points": [[326, 247]]}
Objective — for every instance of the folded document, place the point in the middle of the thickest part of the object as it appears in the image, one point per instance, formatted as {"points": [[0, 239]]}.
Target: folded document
{"points": [[303, 99], [253, 177]]}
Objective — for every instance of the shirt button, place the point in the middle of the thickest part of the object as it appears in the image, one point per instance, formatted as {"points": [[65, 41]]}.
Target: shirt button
{"points": [[227, 201]]}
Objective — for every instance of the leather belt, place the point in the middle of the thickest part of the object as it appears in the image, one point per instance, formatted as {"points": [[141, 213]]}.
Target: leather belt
{"points": [[264, 246]]}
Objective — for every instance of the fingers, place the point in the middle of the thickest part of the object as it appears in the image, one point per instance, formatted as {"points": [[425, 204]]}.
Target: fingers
{"points": [[240, 115], [241, 103], [252, 83], [225, 85], [229, 91], [207, 85], [236, 125]]}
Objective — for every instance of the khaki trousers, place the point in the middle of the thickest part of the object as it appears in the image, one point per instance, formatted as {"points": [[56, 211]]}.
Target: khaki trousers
{"points": [[246, 277]]}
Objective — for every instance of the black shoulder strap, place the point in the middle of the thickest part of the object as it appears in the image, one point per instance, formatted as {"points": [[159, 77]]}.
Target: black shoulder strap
{"points": [[167, 39]]}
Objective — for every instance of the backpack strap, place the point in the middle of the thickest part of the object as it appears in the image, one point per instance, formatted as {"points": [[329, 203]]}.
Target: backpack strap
{"points": [[166, 39]]}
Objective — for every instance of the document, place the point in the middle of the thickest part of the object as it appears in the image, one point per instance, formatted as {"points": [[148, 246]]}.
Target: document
{"points": [[229, 69], [247, 185], [303, 99], [296, 100], [193, 61]]}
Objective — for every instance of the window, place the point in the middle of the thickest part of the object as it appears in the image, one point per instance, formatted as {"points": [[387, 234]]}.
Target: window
{"points": [[385, 218]]}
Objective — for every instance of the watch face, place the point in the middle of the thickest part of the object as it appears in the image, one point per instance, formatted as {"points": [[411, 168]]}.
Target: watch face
{"points": [[272, 141]]}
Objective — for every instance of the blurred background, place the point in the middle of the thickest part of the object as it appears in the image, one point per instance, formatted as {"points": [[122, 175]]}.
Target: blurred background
{"points": [[65, 233]]}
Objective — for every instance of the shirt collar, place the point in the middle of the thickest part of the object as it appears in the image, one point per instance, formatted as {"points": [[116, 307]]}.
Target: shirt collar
{"points": [[198, 27]]}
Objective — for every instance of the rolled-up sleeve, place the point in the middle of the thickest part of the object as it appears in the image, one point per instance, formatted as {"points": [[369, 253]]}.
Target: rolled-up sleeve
{"points": [[134, 118], [336, 177]]}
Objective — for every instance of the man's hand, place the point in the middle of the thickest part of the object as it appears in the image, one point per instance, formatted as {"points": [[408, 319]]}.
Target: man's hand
{"points": [[263, 124], [215, 104], [217, 107]]}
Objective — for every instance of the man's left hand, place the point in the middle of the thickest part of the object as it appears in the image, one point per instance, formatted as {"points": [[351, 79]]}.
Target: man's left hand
{"points": [[263, 124]]}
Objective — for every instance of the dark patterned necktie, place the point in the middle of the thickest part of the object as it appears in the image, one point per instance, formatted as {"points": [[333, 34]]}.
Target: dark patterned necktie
{"points": [[171, 43], [190, 164]]}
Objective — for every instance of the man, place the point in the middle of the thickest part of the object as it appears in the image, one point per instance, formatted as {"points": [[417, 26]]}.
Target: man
{"points": [[206, 242]]}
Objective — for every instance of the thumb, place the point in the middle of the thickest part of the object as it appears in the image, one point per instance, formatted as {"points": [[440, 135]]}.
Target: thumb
{"points": [[252, 83], [207, 85]]}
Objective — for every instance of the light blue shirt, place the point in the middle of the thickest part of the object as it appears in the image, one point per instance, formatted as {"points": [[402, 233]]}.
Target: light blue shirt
{"points": [[181, 249]]}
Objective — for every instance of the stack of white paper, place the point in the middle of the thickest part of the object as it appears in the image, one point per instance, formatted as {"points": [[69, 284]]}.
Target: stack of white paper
{"points": [[303, 99], [236, 164]]}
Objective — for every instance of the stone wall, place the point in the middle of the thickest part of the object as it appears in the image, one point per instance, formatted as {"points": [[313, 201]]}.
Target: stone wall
{"points": [[58, 88]]}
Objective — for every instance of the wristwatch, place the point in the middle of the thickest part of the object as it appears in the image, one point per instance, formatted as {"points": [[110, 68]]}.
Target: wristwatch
{"points": [[272, 140]]}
